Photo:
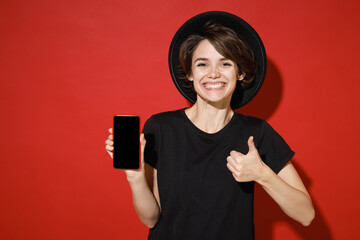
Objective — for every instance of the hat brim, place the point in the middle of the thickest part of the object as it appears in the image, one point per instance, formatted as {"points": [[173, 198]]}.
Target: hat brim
{"points": [[192, 26]]}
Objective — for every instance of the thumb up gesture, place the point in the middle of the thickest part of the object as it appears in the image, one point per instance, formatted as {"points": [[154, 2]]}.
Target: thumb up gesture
{"points": [[246, 167]]}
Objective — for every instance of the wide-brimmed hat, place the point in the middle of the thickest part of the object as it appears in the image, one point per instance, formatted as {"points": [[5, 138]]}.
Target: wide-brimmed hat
{"points": [[193, 26]]}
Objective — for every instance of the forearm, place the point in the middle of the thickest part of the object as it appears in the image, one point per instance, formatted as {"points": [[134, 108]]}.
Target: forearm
{"points": [[145, 203], [295, 203]]}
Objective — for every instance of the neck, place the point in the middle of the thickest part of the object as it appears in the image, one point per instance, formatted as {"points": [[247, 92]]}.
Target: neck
{"points": [[209, 118]]}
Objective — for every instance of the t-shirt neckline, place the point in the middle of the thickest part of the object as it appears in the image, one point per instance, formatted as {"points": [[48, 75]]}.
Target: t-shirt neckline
{"points": [[198, 130]]}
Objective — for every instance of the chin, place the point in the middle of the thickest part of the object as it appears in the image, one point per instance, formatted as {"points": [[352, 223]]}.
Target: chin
{"points": [[216, 101]]}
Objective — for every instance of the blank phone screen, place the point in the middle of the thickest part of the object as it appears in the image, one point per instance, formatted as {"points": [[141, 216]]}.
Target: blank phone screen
{"points": [[126, 142]]}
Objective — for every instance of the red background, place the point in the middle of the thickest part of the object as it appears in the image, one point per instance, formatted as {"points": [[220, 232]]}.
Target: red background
{"points": [[66, 67]]}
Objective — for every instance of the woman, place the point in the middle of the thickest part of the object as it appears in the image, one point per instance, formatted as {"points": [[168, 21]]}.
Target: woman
{"points": [[202, 162]]}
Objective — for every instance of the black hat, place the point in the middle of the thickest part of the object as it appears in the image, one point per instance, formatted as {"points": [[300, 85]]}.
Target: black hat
{"points": [[192, 26]]}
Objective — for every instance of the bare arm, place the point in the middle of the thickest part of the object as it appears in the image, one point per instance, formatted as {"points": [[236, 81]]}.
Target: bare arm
{"points": [[289, 193], [145, 200], [286, 188], [143, 184]]}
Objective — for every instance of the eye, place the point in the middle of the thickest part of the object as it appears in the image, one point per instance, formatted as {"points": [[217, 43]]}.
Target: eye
{"points": [[227, 64], [201, 65]]}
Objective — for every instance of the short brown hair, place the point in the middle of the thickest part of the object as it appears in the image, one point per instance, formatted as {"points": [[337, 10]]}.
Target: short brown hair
{"points": [[227, 42]]}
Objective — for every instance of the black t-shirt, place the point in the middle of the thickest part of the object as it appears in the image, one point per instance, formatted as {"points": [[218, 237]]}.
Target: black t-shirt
{"points": [[199, 197]]}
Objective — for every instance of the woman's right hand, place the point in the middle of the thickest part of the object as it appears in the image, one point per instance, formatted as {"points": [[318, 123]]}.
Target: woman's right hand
{"points": [[132, 175]]}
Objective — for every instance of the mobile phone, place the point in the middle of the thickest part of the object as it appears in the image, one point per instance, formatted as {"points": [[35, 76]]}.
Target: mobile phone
{"points": [[126, 142]]}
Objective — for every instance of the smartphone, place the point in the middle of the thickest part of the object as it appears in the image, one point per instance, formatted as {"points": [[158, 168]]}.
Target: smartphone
{"points": [[126, 142]]}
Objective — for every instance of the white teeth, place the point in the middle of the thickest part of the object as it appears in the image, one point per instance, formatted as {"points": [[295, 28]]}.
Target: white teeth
{"points": [[214, 85]]}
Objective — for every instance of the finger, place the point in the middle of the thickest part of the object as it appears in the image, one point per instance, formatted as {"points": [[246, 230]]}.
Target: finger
{"points": [[251, 144], [236, 164], [236, 174], [231, 161], [109, 148], [109, 142], [231, 164], [111, 136], [231, 168], [236, 154], [111, 153]]}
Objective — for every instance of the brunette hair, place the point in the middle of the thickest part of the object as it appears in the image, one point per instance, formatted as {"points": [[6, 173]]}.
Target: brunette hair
{"points": [[227, 42]]}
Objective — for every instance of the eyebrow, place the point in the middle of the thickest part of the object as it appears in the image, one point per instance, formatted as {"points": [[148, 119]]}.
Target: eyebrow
{"points": [[200, 59], [205, 59]]}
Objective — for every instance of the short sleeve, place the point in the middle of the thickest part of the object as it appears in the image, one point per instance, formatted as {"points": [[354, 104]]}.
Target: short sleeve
{"points": [[151, 132], [273, 149]]}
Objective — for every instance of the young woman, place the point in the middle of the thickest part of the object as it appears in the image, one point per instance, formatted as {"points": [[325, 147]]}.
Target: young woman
{"points": [[201, 163]]}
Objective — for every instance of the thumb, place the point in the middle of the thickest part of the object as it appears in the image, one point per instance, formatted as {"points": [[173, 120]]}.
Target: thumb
{"points": [[251, 144], [142, 143]]}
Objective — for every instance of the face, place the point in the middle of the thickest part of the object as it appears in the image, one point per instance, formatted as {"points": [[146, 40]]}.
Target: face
{"points": [[214, 76]]}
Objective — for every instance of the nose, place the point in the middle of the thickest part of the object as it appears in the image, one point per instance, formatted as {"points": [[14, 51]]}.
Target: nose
{"points": [[213, 72]]}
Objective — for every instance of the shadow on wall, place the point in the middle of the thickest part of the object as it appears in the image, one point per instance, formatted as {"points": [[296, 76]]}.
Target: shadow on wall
{"points": [[264, 104], [267, 212]]}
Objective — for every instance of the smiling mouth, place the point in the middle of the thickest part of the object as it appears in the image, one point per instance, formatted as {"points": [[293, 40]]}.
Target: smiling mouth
{"points": [[214, 85]]}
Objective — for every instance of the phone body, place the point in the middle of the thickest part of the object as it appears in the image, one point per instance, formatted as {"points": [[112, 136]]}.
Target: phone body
{"points": [[126, 133]]}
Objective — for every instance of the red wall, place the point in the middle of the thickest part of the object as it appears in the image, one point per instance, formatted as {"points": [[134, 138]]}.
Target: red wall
{"points": [[66, 67]]}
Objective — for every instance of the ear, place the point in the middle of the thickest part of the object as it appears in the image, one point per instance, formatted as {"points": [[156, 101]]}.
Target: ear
{"points": [[242, 76], [190, 77]]}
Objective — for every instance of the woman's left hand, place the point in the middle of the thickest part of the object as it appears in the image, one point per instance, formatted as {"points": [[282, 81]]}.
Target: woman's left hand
{"points": [[246, 167]]}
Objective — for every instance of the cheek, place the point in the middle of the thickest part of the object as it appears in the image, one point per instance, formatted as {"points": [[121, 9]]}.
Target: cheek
{"points": [[196, 75], [235, 75]]}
